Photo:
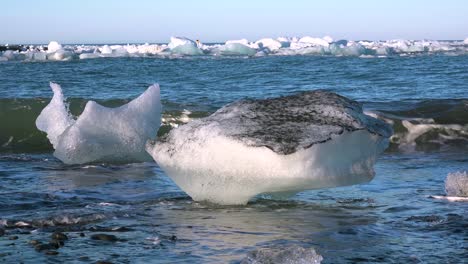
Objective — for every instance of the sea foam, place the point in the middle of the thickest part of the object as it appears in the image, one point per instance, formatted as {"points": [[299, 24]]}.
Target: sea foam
{"points": [[275, 146], [101, 134]]}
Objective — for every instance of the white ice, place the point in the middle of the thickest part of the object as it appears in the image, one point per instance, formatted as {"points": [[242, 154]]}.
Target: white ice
{"points": [[456, 184], [284, 46], [102, 134], [237, 49], [53, 47], [211, 167]]}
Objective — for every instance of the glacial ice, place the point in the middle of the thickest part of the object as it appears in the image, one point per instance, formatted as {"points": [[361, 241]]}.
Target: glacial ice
{"points": [[184, 46], [456, 184], [284, 46], [274, 146], [237, 49], [53, 47], [269, 43], [102, 134]]}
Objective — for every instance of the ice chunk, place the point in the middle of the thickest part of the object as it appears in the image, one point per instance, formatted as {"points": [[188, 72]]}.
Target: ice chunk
{"points": [[328, 39], [314, 41], [105, 49], [465, 41], [283, 145], [180, 41], [456, 184], [269, 43], [184, 46], [61, 55], [102, 134], [53, 46], [240, 41], [237, 49], [289, 255], [55, 118]]}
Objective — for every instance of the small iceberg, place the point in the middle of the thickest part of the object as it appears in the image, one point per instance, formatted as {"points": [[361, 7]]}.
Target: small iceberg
{"points": [[237, 48], [456, 187], [101, 134], [184, 46], [277, 146]]}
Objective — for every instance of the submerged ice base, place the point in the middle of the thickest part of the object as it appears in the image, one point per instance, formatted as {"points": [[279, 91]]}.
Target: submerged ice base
{"points": [[102, 134], [275, 146]]}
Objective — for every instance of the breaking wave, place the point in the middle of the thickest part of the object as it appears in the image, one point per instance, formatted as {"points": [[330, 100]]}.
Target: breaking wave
{"points": [[282, 46]]}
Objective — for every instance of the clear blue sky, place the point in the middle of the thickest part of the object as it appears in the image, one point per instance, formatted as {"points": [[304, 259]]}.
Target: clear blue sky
{"points": [[106, 21]]}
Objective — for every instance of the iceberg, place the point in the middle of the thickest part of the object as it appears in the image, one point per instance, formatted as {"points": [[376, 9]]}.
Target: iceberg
{"points": [[184, 46], [269, 43], [237, 49], [277, 146], [101, 134]]}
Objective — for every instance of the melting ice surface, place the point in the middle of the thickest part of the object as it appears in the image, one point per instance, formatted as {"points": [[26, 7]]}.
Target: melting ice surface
{"points": [[101, 134], [456, 184], [277, 146], [182, 46]]}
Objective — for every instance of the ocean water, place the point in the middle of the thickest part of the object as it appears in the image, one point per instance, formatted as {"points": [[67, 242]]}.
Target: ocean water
{"points": [[390, 219]]}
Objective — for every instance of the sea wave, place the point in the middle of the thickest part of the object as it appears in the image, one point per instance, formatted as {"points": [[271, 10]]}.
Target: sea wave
{"points": [[282, 46], [430, 125]]}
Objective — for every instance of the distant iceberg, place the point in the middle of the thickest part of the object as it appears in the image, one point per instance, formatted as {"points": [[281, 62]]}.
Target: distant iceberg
{"points": [[277, 146], [101, 134], [281, 46]]}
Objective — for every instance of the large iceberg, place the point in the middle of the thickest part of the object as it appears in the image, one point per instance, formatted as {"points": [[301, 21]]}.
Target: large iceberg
{"points": [[101, 134], [278, 146]]}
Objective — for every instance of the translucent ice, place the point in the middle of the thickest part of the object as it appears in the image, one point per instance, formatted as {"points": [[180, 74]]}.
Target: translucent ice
{"points": [[456, 184], [184, 46], [102, 134], [283, 145], [237, 49]]}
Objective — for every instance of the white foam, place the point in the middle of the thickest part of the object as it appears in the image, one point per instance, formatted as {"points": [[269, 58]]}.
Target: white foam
{"points": [[407, 141], [227, 171], [102, 134]]}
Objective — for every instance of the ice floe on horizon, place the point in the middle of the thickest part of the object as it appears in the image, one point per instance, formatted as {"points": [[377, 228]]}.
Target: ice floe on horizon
{"points": [[281, 46]]}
